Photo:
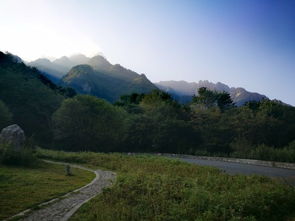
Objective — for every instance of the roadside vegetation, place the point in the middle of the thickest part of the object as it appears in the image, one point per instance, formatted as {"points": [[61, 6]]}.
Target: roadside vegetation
{"points": [[25, 157], [26, 187], [261, 152], [156, 188]]}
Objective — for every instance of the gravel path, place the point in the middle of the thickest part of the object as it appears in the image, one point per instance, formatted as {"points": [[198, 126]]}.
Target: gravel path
{"points": [[62, 209]]}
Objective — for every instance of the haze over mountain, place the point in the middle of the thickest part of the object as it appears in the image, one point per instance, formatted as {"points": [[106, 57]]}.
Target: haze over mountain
{"points": [[183, 91], [59, 67], [95, 76]]}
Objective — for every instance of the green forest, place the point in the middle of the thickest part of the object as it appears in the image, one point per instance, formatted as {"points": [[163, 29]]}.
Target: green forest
{"points": [[55, 117]]}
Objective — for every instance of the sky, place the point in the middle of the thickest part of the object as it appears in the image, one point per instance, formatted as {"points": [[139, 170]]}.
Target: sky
{"points": [[242, 43]]}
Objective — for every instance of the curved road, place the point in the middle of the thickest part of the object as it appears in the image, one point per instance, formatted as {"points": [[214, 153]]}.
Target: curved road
{"points": [[287, 175], [61, 209]]}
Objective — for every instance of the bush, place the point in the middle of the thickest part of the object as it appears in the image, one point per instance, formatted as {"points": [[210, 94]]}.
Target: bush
{"points": [[264, 152], [24, 157]]}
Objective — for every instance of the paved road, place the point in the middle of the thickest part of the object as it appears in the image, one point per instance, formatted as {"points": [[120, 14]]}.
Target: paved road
{"points": [[239, 168], [63, 208]]}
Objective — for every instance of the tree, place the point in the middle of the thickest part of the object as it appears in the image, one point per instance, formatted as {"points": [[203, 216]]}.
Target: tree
{"points": [[208, 99], [89, 123], [133, 98], [224, 101], [214, 128], [130, 103], [205, 98], [163, 126], [161, 105]]}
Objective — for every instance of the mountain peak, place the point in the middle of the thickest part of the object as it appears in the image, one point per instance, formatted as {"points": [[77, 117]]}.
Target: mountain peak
{"points": [[99, 62], [79, 59], [42, 60], [109, 84], [184, 90]]}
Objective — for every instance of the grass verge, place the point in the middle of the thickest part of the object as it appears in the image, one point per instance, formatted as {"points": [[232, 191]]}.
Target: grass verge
{"points": [[156, 188], [22, 188]]}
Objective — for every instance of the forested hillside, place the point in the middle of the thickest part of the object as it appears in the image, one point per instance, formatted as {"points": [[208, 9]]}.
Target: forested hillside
{"points": [[28, 98]]}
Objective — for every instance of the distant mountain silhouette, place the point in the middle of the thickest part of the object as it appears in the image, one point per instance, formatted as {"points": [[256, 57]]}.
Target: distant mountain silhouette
{"points": [[95, 76], [183, 91], [57, 68]]}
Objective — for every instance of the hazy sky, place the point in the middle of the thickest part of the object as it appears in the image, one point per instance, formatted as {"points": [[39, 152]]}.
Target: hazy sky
{"points": [[248, 43]]}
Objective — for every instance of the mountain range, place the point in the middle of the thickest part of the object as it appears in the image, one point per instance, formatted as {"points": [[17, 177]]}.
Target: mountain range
{"points": [[184, 91], [59, 67], [95, 76], [98, 77]]}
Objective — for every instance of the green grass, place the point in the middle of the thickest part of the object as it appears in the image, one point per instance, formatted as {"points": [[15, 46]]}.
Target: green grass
{"points": [[156, 188], [22, 188]]}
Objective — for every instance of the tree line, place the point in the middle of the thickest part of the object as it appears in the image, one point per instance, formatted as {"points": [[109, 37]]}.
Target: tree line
{"points": [[55, 117], [211, 125]]}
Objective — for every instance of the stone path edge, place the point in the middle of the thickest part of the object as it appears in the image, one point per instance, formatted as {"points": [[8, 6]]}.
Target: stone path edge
{"points": [[26, 212]]}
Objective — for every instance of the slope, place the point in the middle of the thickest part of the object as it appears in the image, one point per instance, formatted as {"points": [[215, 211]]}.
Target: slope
{"points": [[30, 96], [109, 85]]}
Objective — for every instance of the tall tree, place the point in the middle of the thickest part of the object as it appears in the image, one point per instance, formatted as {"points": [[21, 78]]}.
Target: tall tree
{"points": [[89, 123], [205, 98], [224, 101], [208, 99]]}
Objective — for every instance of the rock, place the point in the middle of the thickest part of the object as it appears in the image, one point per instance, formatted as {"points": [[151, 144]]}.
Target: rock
{"points": [[14, 136], [68, 170]]}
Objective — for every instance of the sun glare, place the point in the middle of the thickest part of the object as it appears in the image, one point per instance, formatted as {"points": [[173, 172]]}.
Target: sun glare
{"points": [[47, 43]]}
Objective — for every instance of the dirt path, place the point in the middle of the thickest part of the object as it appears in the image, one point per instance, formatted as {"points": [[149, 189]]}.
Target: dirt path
{"points": [[63, 208]]}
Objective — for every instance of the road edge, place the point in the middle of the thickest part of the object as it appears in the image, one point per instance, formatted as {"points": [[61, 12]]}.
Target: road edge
{"points": [[283, 165]]}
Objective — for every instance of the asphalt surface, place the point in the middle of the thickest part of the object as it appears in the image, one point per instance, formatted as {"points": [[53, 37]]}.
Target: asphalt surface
{"points": [[286, 175]]}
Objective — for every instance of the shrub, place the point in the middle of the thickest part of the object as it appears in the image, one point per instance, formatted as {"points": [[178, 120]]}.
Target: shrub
{"points": [[24, 157], [264, 152]]}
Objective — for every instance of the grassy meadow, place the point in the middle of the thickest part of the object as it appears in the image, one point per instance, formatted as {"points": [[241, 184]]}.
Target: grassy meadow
{"points": [[26, 187], [157, 188]]}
